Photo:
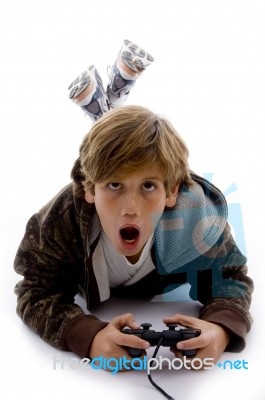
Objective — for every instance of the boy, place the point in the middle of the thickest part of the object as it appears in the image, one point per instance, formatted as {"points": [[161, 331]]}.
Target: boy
{"points": [[134, 222]]}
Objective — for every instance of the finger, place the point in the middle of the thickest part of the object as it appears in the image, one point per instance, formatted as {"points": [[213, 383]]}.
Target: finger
{"points": [[189, 322], [196, 362], [175, 351], [125, 320], [194, 343], [122, 339]]}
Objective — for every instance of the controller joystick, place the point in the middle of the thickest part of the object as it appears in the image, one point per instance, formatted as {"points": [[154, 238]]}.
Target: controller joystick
{"points": [[146, 326], [172, 327]]}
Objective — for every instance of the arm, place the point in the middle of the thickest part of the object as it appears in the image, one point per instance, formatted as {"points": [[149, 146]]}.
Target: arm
{"points": [[232, 313], [225, 291], [52, 266]]}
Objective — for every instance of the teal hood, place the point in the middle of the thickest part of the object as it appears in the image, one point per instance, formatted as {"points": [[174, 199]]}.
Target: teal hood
{"points": [[192, 228]]}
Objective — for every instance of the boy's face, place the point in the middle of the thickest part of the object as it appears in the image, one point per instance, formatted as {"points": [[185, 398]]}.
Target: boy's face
{"points": [[129, 207]]}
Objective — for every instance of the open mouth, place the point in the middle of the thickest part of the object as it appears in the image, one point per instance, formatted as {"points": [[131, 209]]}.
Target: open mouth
{"points": [[129, 234]]}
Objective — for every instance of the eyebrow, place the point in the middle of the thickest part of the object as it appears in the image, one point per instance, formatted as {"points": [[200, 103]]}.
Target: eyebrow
{"points": [[145, 178], [150, 178]]}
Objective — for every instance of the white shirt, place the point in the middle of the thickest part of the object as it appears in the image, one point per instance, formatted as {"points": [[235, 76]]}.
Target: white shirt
{"points": [[120, 270]]}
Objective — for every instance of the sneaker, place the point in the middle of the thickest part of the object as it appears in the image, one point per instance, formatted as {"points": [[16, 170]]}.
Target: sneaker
{"points": [[129, 65], [88, 93]]}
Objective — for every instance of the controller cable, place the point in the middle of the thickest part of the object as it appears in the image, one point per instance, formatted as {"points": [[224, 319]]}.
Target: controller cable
{"points": [[149, 374]]}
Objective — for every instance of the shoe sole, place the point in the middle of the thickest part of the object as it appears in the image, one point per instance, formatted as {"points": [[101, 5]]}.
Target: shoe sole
{"points": [[134, 54], [80, 84]]}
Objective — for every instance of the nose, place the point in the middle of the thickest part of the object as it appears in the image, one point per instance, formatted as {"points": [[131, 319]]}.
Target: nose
{"points": [[130, 205]]}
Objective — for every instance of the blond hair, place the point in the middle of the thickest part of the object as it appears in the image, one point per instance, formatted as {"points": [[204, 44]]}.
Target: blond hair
{"points": [[126, 139]]}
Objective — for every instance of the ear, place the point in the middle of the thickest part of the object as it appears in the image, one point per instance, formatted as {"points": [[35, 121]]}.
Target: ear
{"points": [[171, 199], [90, 198]]}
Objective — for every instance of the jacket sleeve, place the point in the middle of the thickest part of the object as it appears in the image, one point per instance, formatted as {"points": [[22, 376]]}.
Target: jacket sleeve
{"points": [[52, 265], [225, 290]]}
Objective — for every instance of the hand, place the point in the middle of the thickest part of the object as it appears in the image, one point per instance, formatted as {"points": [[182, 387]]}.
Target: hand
{"points": [[210, 344], [110, 342]]}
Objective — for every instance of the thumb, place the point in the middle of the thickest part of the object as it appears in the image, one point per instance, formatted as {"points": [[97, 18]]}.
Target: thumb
{"points": [[183, 320], [123, 320]]}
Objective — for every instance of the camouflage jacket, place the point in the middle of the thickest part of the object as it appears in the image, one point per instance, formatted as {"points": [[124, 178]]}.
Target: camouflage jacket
{"points": [[55, 259]]}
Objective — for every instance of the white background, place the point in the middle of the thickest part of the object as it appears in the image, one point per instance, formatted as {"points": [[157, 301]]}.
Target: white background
{"points": [[207, 78]]}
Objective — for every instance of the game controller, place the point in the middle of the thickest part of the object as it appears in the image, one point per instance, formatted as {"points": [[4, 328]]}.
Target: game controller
{"points": [[166, 338]]}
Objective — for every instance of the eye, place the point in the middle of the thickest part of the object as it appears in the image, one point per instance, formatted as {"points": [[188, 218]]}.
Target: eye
{"points": [[149, 186], [114, 186]]}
